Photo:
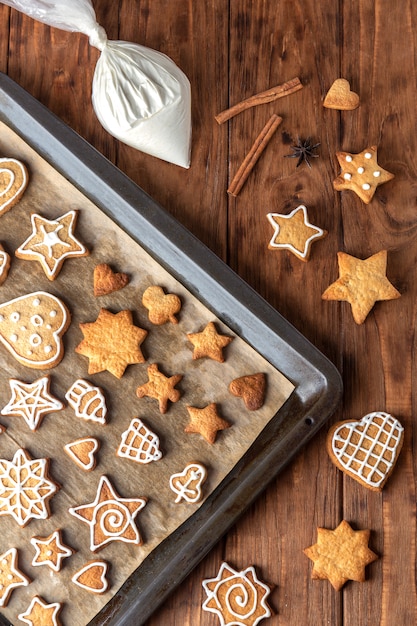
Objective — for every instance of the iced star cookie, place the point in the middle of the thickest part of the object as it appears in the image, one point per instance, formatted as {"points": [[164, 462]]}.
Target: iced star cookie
{"points": [[340, 555], [110, 517], [31, 329], [251, 388], [50, 551], [237, 598], [31, 401], [4, 264], [83, 452], [362, 283], [40, 613], [341, 97], [139, 443], [206, 422], [10, 575], [14, 179], [112, 342], [87, 400], [209, 343], [93, 577], [160, 387], [25, 488], [107, 281], [188, 483], [52, 242], [366, 449], [162, 307], [361, 173], [294, 232]]}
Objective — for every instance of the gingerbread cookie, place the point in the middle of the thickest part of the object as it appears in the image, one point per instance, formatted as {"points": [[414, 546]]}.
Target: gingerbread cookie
{"points": [[50, 551], [362, 283], [31, 401], [25, 488], [361, 173], [294, 232], [14, 179], [52, 242], [93, 577], [87, 400], [206, 422], [162, 307], [340, 555], [4, 264], [139, 443], [31, 328], [106, 281], [187, 484], [237, 597], [251, 388], [209, 343], [110, 517], [160, 387], [111, 343], [83, 452], [10, 575], [368, 449], [40, 613], [341, 97]]}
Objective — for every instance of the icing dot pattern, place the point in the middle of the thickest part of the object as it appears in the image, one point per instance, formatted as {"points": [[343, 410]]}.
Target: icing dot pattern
{"points": [[360, 173]]}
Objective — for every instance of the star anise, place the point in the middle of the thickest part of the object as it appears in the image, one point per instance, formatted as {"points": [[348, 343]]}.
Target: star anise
{"points": [[303, 151]]}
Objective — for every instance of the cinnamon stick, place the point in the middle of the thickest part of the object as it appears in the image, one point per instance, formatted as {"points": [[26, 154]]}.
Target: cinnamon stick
{"points": [[253, 155], [263, 97]]}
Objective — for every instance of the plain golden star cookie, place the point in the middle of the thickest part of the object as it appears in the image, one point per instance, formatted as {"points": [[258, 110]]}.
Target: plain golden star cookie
{"points": [[340, 555], [31, 401], [341, 97], [10, 575], [362, 283], [237, 598], [106, 281], [160, 387], [294, 232], [162, 307], [361, 173], [366, 449], [52, 242], [112, 342], [251, 388], [50, 551], [4, 264], [40, 613], [206, 422], [209, 343], [14, 179]]}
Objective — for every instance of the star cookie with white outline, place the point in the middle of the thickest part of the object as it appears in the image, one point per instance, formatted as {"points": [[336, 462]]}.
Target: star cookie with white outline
{"points": [[10, 575], [50, 551], [52, 242], [361, 173], [40, 613], [294, 232], [31, 401], [110, 517]]}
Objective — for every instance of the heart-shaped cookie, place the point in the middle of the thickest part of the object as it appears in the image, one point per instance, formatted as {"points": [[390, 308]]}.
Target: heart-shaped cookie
{"points": [[187, 484], [13, 182], [251, 389], [107, 281], [83, 452], [161, 307], [368, 449], [341, 97], [92, 577]]}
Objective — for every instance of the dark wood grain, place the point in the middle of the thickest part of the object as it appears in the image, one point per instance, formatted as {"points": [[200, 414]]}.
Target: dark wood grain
{"points": [[232, 49]]}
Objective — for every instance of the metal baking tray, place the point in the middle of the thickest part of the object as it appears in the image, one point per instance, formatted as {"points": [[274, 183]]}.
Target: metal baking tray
{"points": [[317, 382]]}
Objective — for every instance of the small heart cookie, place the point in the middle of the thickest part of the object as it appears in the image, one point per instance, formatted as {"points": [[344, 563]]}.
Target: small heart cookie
{"points": [[107, 281], [83, 452], [341, 97], [92, 577], [368, 449], [13, 182], [251, 389]]}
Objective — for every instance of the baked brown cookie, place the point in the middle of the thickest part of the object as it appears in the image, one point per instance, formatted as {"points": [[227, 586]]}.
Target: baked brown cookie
{"points": [[162, 307], [206, 422], [160, 387], [106, 281], [251, 388], [209, 343]]}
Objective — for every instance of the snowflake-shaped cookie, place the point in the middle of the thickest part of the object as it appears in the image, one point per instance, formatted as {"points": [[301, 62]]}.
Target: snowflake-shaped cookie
{"points": [[25, 488]]}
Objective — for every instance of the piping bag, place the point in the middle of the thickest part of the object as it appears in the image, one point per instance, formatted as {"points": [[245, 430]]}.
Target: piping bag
{"points": [[139, 95]]}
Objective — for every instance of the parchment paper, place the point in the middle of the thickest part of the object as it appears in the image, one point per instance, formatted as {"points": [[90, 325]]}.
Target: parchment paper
{"points": [[204, 381]]}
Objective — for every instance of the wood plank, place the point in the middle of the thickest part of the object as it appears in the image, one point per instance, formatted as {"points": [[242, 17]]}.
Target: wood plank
{"points": [[4, 40]]}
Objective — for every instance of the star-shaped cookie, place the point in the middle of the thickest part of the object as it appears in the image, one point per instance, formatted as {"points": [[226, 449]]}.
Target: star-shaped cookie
{"points": [[340, 555], [361, 283], [50, 551], [112, 342], [110, 517], [40, 613], [206, 422], [31, 401], [294, 232], [51, 242], [209, 343], [361, 173], [10, 575], [160, 387]]}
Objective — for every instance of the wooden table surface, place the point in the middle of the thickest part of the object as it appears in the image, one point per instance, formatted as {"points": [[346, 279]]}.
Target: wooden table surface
{"points": [[232, 49]]}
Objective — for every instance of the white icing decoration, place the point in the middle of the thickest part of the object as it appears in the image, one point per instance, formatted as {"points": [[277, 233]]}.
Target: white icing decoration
{"points": [[361, 170], [348, 158], [13, 337], [366, 186], [318, 232], [102, 567], [377, 173], [31, 401], [53, 619], [87, 401], [347, 176], [15, 316], [36, 302], [187, 484], [35, 340], [370, 458], [36, 320], [70, 449], [9, 560], [4, 192], [139, 443], [368, 155], [1, 318], [48, 349], [53, 313], [61, 552]]}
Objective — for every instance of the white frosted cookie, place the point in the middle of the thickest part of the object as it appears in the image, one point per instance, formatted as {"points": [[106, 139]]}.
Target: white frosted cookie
{"points": [[13, 182]]}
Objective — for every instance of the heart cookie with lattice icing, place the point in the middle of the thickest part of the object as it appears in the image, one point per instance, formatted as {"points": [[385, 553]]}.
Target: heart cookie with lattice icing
{"points": [[13, 182], [368, 449]]}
